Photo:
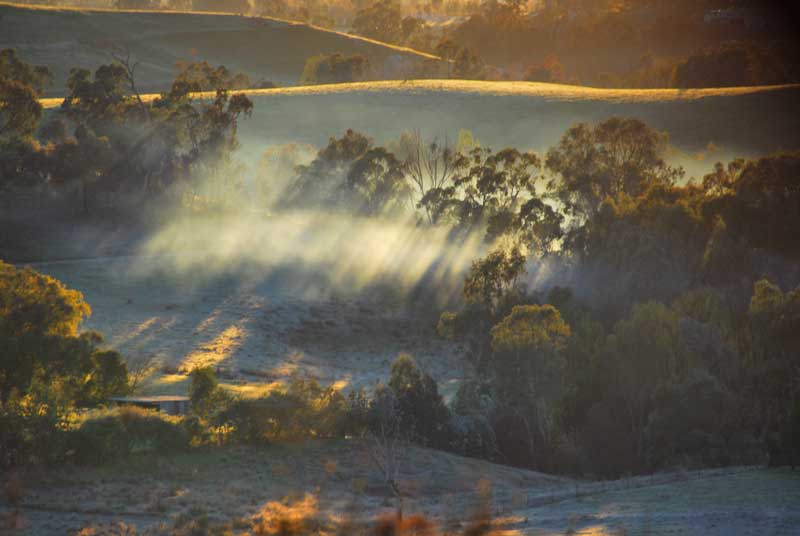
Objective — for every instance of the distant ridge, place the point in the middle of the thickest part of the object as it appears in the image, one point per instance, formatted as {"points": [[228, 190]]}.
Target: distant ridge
{"points": [[42, 7], [555, 92], [265, 48]]}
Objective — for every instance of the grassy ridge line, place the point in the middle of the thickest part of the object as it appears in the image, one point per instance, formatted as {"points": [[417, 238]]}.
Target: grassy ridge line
{"points": [[555, 92], [398, 48]]}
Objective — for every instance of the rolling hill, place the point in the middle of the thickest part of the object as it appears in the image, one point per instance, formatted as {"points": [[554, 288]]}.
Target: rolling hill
{"points": [[704, 125], [333, 482], [271, 49]]}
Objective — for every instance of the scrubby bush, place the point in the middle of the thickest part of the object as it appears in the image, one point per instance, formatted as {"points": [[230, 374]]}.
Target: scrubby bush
{"points": [[149, 429], [47, 367], [302, 410], [32, 430], [731, 64], [202, 390], [100, 439], [335, 69], [690, 423], [107, 435]]}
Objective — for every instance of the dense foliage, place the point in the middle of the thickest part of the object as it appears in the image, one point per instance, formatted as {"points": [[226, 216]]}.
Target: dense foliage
{"points": [[334, 69], [111, 146], [47, 366]]}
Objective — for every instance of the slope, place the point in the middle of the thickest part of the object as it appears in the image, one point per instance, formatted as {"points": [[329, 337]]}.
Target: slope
{"points": [[271, 49]]}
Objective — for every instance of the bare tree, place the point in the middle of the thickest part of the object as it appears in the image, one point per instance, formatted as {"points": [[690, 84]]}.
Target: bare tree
{"points": [[430, 165], [388, 445], [139, 368], [123, 57]]}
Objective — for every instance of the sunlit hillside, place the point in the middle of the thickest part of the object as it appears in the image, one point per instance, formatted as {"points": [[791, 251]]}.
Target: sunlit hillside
{"points": [[704, 125], [263, 48], [501, 114]]}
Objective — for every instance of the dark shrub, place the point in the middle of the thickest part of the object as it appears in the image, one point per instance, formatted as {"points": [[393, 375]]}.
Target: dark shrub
{"points": [[148, 429], [116, 433], [100, 439], [335, 69], [423, 414], [31, 431], [303, 410]]}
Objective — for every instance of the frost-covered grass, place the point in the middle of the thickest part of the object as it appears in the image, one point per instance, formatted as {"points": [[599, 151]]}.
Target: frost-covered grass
{"points": [[231, 483]]}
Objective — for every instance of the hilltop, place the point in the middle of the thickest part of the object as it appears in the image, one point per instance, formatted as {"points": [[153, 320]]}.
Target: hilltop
{"points": [[704, 125], [263, 48], [729, 121]]}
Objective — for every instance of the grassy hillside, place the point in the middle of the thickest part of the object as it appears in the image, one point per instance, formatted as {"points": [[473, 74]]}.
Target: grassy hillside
{"points": [[236, 483], [704, 125], [259, 332], [263, 48], [334, 480], [522, 114]]}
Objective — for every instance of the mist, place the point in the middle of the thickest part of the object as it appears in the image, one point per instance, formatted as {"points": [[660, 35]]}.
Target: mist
{"points": [[312, 253]]}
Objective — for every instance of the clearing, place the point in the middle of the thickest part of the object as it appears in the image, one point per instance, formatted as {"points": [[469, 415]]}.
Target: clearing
{"points": [[234, 484], [257, 331]]}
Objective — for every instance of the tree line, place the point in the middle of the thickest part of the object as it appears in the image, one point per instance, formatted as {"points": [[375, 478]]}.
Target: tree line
{"points": [[104, 140]]}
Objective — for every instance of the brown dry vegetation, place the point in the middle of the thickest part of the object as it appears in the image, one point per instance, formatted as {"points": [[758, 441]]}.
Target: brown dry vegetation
{"points": [[329, 485]]}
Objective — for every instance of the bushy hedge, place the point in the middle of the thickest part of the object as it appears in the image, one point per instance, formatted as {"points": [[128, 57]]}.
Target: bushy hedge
{"points": [[301, 411], [107, 435]]}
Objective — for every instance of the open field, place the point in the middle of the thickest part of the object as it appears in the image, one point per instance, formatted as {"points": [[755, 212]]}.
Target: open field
{"points": [[256, 330], [271, 49], [704, 126], [739, 121], [234, 485]]}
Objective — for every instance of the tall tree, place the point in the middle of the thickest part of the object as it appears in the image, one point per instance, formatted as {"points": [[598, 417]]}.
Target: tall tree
{"points": [[39, 322], [614, 157], [21, 85]]}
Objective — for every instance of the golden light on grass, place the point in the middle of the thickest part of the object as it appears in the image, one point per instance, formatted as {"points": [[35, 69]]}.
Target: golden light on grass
{"points": [[292, 518], [137, 331], [216, 351], [555, 92], [599, 530], [254, 390]]}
